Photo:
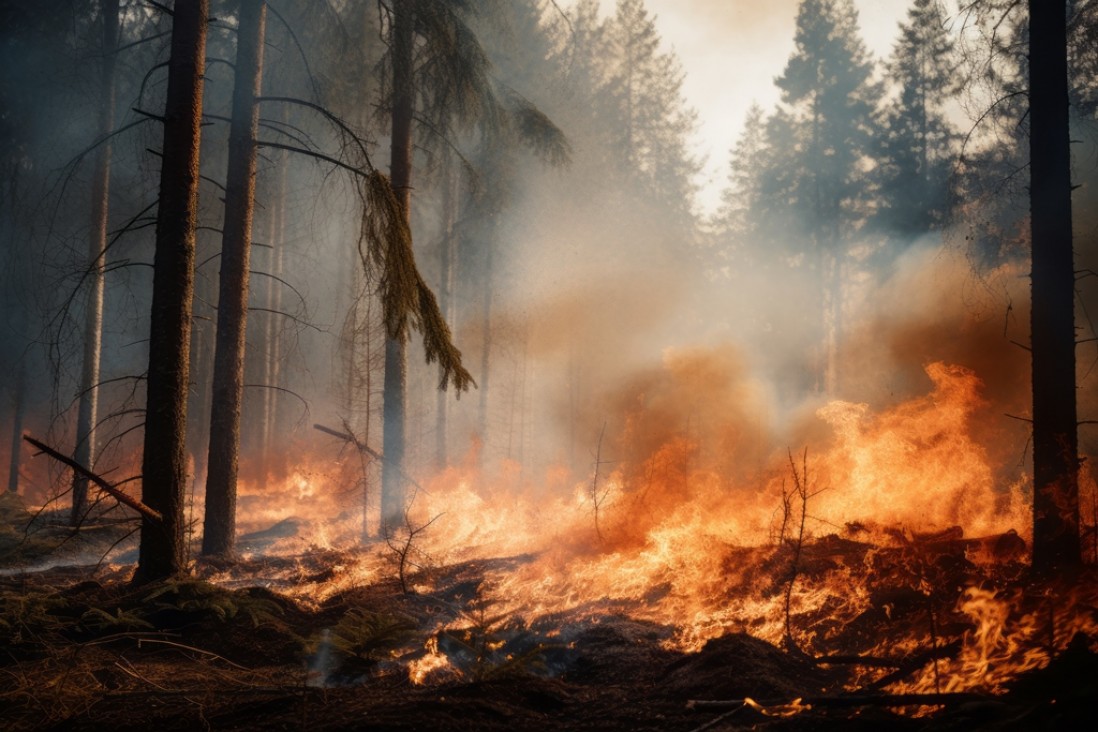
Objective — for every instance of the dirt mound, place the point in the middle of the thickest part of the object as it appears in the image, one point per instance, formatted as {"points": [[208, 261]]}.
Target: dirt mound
{"points": [[739, 666]]}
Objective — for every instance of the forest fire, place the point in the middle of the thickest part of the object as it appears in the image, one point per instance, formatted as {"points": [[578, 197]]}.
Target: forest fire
{"points": [[399, 365], [883, 568]]}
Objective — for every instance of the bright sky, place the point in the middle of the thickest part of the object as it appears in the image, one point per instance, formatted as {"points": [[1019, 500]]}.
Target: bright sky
{"points": [[731, 51]]}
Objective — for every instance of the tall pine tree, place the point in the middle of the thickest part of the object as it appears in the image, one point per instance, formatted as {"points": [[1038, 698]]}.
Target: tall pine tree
{"points": [[917, 143], [828, 90]]}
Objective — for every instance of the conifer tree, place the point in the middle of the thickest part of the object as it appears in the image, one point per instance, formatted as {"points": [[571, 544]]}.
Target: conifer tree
{"points": [[86, 440], [917, 144], [648, 122], [164, 464], [828, 89], [1052, 314]]}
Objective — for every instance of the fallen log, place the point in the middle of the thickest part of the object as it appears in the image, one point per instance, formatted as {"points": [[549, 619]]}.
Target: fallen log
{"points": [[147, 513]]}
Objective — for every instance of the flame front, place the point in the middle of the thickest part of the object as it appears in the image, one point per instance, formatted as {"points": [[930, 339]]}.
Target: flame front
{"points": [[689, 525]]}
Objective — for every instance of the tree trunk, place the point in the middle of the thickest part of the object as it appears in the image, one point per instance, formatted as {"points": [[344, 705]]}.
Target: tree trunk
{"points": [[1055, 442], [17, 428], [486, 340], [445, 301], [219, 530], [400, 171], [85, 451], [271, 351], [164, 464]]}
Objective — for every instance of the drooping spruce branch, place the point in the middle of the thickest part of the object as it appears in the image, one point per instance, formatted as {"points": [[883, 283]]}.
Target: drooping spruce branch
{"points": [[385, 247]]}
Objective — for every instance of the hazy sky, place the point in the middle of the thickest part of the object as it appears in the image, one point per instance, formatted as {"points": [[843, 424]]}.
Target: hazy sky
{"points": [[731, 51]]}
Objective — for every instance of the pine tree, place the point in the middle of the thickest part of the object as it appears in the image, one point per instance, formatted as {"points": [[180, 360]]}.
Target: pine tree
{"points": [[738, 222], [646, 118], [917, 144], [85, 452], [162, 552], [828, 89], [219, 535], [1052, 315]]}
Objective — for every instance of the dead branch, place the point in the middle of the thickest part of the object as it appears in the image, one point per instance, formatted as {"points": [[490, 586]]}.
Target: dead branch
{"points": [[596, 499], [146, 512], [362, 447], [839, 702], [185, 647], [402, 550], [914, 664], [717, 720], [907, 665], [800, 491], [855, 660]]}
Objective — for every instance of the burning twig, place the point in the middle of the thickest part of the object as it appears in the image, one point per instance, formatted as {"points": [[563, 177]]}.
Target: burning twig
{"points": [[799, 491], [598, 499], [146, 512], [404, 547]]}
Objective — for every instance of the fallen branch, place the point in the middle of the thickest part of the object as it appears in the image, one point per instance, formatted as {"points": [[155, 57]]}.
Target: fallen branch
{"points": [[866, 661], [363, 447], [838, 702], [916, 663], [147, 513], [717, 720]]}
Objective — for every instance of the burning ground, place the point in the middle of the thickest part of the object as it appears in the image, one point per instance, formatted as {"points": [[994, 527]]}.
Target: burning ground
{"points": [[879, 578]]}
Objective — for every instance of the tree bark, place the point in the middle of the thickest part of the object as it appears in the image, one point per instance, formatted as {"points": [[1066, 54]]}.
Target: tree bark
{"points": [[85, 451], [270, 326], [1055, 441], [445, 301], [486, 339], [164, 464], [219, 534], [17, 428], [400, 172]]}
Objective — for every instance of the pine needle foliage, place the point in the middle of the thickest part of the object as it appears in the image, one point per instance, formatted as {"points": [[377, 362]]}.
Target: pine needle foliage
{"points": [[197, 598], [536, 131], [101, 621], [492, 646], [369, 637], [385, 248]]}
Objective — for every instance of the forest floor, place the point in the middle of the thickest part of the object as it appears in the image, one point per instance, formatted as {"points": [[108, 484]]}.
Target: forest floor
{"points": [[83, 649]]}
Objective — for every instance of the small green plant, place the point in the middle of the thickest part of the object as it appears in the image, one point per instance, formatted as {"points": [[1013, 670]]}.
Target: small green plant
{"points": [[362, 638], [100, 621], [195, 597], [27, 617], [406, 554], [492, 646]]}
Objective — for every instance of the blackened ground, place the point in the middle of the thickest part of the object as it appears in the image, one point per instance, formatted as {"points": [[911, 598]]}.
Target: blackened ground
{"points": [[82, 649]]}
